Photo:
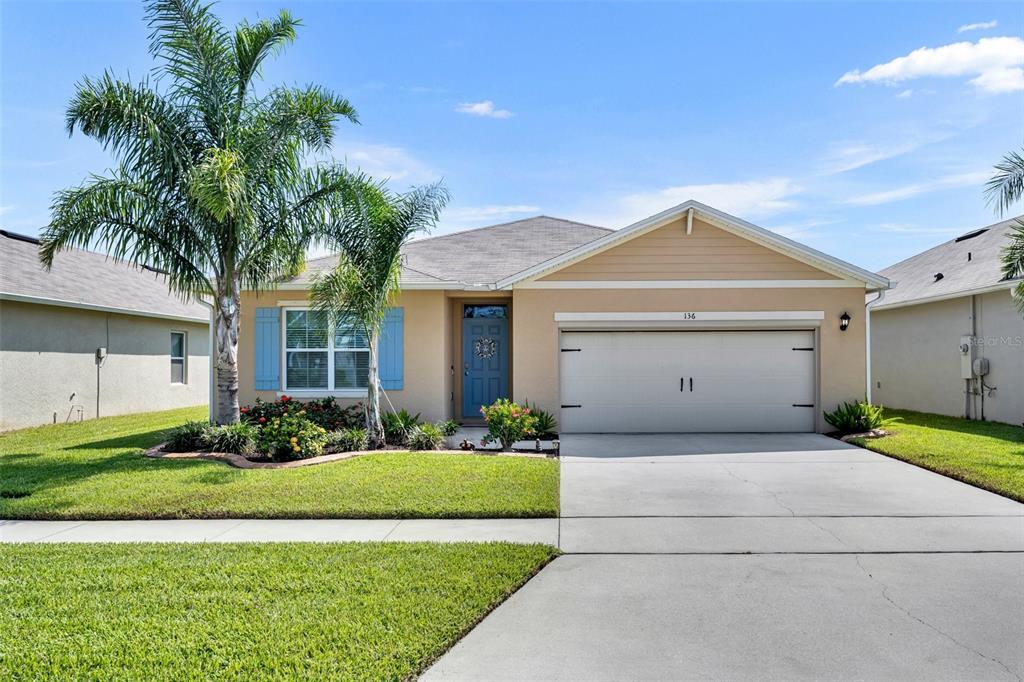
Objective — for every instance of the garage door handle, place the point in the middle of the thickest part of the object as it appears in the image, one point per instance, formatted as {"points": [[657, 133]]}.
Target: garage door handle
{"points": [[682, 384], [691, 384]]}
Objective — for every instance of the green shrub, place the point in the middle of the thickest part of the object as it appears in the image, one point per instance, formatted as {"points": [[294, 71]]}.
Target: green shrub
{"points": [[347, 440], [324, 412], [187, 438], [546, 424], [291, 436], [425, 437], [398, 426], [857, 417], [507, 422], [448, 427], [238, 438]]}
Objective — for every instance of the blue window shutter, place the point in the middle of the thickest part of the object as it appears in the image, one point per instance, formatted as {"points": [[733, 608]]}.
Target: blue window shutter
{"points": [[268, 349], [391, 350]]}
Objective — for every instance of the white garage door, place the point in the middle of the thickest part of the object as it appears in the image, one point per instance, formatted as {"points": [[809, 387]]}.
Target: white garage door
{"points": [[650, 382]]}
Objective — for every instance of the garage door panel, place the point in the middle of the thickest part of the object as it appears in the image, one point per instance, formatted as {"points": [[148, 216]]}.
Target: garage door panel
{"points": [[742, 381]]}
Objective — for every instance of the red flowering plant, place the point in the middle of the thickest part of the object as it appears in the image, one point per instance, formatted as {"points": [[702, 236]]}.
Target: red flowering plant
{"points": [[507, 422], [324, 412]]}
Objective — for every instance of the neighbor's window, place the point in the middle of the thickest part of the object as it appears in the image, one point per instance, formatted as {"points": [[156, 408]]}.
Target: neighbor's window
{"points": [[317, 359], [178, 358]]}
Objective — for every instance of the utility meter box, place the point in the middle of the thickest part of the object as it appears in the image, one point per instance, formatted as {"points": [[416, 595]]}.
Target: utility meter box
{"points": [[966, 357]]}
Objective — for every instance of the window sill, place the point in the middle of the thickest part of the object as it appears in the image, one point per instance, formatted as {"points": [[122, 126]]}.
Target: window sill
{"points": [[305, 393]]}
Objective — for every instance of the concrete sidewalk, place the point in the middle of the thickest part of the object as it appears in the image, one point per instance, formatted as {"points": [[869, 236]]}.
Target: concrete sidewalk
{"points": [[285, 530]]}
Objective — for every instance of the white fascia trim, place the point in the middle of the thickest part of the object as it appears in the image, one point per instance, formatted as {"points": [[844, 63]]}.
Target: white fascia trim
{"points": [[357, 393], [410, 286], [696, 284], [725, 221], [1002, 286], [695, 316], [40, 300]]}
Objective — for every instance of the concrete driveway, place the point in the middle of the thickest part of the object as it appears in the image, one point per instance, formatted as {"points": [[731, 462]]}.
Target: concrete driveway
{"points": [[760, 557]]}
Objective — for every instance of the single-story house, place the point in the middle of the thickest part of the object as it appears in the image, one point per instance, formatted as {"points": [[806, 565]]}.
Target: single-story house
{"points": [[690, 320], [947, 338], [93, 336]]}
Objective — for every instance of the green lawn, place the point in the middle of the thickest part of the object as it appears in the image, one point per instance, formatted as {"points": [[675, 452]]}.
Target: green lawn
{"points": [[986, 454], [366, 611], [95, 470]]}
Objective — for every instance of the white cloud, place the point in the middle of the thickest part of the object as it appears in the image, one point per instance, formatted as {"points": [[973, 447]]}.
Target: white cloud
{"points": [[847, 156], [749, 199], [484, 108], [801, 228], [913, 190], [6, 209], [980, 26], [995, 64], [907, 228], [491, 212], [905, 94], [387, 161]]}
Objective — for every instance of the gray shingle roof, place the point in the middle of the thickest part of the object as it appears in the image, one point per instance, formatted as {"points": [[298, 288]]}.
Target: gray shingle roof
{"points": [[484, 255], [914, 278], [85, 278]]}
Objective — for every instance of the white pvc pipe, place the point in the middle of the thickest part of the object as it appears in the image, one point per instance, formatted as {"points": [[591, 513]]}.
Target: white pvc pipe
{"points": [[210, 335], [867, 343]]}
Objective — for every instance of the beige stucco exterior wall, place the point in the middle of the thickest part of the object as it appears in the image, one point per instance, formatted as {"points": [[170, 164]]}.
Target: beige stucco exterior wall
{"points": [[841, 355], [668, 253], [47, 364], [915, 356], [427, 358]]}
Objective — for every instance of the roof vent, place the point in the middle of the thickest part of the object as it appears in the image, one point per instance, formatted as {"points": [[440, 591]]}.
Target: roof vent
{"points": [[938, 276], [19, 237], [971, 235]]}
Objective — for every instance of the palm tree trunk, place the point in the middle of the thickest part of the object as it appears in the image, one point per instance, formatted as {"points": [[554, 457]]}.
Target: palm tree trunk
{"points": [[226, 313], [374, 426]]}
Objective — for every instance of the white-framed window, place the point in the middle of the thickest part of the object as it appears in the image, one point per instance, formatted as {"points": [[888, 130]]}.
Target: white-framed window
{"points": [[319, 356], [179, 357]]}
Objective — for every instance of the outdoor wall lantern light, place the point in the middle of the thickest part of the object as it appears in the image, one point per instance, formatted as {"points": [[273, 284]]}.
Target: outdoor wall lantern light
{"points": [[844, 321]]}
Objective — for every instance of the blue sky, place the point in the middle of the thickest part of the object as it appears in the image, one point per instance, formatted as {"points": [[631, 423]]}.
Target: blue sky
{"points": [[800, 117]]}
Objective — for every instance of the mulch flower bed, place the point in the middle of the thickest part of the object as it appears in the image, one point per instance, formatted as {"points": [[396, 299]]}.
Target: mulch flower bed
{"points": [[245, 463]]}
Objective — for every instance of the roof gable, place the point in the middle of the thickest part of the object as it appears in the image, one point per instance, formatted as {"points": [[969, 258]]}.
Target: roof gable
{"points": [[671, 253], [718, 219]]}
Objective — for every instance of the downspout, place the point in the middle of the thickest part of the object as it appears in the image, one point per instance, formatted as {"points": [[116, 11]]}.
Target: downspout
{"points": [[867, 342], [209, 335]]}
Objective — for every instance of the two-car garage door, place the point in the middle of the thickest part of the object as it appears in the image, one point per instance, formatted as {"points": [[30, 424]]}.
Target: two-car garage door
{"points": [[700, 381]]}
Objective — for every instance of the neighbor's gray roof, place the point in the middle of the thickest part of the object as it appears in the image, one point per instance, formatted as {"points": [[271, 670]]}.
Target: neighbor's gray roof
{"points": [[86, 279], [481, 256], [914, 278]]}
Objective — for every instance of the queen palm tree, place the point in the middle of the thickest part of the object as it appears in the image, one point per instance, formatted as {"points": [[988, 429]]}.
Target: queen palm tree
{"points": [[210, 184], [1003, 190], [359, 289]]}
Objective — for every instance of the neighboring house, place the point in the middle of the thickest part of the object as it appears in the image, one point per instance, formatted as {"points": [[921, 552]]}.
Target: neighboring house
{"points": [[691, 320], [93, 336], [950, 306]]}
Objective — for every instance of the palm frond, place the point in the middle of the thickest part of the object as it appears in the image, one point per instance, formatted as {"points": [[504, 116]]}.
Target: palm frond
{"points": [[1012, 257], [197, 54], [217, 183], [1006, 187], [120, 216], [254, 43], [144, 130]]}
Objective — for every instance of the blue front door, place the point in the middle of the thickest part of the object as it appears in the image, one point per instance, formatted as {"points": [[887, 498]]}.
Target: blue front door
{"points": [[484, 357]]}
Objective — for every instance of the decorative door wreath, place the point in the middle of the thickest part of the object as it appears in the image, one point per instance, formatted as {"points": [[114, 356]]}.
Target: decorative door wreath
{"points": [[485, 348]]}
